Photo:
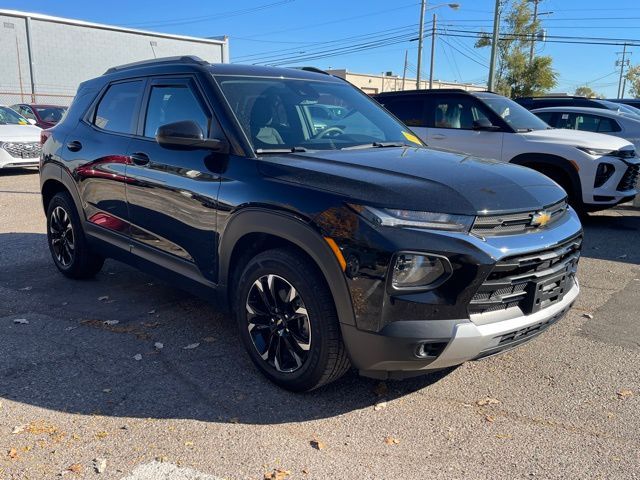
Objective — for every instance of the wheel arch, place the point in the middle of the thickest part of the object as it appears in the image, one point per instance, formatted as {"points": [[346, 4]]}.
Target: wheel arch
{"points": [[257, 229], [55, 179], [545, 161]]}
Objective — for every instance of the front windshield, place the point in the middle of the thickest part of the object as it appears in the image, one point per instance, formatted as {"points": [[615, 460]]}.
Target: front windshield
{"points": [[51, 114], [518, 117], [283, 113], [626, 109], [11, 117]]}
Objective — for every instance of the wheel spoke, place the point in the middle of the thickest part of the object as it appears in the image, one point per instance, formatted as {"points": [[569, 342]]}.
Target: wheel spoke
{"points": [[258, 284], [293, 351]]}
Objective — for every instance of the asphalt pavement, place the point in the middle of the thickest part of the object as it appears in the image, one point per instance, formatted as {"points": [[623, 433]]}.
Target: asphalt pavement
{"points": [[86, 388]]}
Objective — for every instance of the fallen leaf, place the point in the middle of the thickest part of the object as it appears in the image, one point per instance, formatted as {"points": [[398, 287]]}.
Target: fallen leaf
{"points": [[391, 441], [137, 357], [317, 444], [40, 427], [188, 444], [111, 322], [624, 393], [101, 435], [587, 315], [209, 339], [75, 468], [380, 406], [21, 321], [151, 312], [18, 429], [103, 298], [158, 345], [277, 474], [381, 389], [487, 401], [191, 346], [489, 418], [305, 471], [13, 453], [161, 459], [99, 465]]}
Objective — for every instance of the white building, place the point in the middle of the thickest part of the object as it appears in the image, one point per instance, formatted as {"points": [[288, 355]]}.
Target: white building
{"points": [[44, 58]]}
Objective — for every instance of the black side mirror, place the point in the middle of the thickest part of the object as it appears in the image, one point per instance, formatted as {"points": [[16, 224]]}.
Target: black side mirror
{"points": [[485, 125], [188, 133]]}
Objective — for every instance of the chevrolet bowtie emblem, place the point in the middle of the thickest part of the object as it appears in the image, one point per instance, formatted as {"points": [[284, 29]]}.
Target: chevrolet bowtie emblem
{"points": [[540, 219]]}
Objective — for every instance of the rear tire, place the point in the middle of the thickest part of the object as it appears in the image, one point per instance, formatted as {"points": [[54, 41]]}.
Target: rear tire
{"points": [[69, 249], [288, 321]]}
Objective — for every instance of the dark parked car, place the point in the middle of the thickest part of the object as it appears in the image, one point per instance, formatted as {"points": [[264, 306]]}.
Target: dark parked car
{"points": [[219, 178], [45, 116], [531, 103], [632, 102]]}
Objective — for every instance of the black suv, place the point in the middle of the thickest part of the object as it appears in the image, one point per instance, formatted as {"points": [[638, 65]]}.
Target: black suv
{"points": [[298, 203], [531, 103]]}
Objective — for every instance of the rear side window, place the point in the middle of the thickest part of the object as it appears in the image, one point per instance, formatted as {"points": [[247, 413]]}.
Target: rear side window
{"points": [[545, 117], [587, 123], [173, 103], [456, 112], [117, 110], [408, 109]]}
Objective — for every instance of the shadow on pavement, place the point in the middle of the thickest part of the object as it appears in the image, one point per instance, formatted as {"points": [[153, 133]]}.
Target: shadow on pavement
{"points": [[67, 358], [613, 237]]}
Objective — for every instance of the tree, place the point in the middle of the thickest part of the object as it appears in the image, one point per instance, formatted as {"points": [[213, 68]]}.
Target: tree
{"points": [[515, 75], [586, 91], [633, 78]]}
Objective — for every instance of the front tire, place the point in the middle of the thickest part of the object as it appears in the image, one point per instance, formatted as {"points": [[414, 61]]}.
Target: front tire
{"points": [[67, 243], [288, 321]]}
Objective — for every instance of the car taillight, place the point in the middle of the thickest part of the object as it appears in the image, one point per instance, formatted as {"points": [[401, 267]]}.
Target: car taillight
{"points": [[44, 135]]}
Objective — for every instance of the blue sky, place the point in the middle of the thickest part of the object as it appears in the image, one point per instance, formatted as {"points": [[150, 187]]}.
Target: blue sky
{"points": [[285, 28]]}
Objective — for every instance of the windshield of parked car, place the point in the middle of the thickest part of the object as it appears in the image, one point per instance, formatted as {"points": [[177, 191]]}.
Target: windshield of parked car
{"points": [[11, 117], [50, 114], [518, 117], [622, 108], [287, 114]]}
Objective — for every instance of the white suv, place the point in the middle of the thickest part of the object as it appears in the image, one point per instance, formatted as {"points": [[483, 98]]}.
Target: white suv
{"points": [[596, 170], [19, 140]]}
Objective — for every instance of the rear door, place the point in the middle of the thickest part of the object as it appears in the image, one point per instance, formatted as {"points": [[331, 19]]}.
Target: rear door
{"points": [[172, 192], [96, 151], [451, 126]]}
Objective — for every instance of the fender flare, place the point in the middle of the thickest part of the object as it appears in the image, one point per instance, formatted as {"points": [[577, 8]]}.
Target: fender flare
{"points": [[555, 161], [285, 226], [54, 172]]}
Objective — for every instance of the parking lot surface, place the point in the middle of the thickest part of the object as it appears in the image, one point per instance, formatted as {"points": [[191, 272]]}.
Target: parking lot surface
{"points": [[74, 400]]}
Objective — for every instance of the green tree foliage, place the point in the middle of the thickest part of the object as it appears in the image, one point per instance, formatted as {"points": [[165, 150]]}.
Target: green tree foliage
{"points": [[515, 75], [586, 91], [633, 81]]}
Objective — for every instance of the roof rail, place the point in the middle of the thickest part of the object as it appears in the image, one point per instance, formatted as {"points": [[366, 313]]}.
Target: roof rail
{"points": [[191, 59]]}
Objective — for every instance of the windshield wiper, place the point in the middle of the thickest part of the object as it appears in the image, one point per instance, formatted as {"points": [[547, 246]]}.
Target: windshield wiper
{"points": [[280, 150], [376, 145]]}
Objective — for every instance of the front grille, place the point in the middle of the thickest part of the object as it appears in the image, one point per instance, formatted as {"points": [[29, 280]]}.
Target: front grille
{"points": [[23, 150], [531, 282], [514, 223], [629, 179]]}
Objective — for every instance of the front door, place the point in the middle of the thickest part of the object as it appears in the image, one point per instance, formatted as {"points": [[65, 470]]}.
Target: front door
{"points": [[172, 192]]}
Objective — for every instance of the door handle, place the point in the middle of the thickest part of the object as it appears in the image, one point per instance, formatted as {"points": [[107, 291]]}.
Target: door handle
{"points": [[438, 137], [140, 158], [74, 146]]}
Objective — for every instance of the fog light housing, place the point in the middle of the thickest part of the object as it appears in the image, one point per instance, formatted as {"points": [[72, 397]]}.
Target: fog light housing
{"points": [[603, 173], [419, 271]]}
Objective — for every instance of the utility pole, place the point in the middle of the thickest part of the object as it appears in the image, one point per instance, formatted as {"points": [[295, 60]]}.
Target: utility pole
{"points": [[433, 50], [404, 72], [533, 33], [423, 8], [622, 63], [494, 46]]}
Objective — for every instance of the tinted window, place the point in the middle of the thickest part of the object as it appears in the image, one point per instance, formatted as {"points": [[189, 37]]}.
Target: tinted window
{"points": [[173, 103], [587, 122], [455, 112], [545, 117], [116, 111], [408, 109]]}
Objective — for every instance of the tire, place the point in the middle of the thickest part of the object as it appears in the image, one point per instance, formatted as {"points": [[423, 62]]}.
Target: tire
{"points": [[67, 243], [292, 336]]}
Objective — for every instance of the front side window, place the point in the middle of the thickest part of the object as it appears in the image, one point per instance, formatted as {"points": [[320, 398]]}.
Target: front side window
{"points": [[116, 111], [173, 103], [283, 113], [456, 112], [518, 117]]}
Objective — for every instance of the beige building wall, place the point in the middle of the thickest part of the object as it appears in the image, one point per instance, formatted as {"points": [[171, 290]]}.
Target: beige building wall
{"points": [[373, 84]]}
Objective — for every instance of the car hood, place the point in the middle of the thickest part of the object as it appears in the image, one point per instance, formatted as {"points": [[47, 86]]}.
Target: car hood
{"points": [[416, 179], [577, 138], [19, 132]]}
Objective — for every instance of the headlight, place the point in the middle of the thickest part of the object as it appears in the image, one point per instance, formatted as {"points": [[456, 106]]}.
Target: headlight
{"points": [[416, 271], [596, 152], [411, 218]]}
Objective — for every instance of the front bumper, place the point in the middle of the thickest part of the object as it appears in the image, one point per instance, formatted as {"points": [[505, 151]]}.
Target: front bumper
{"points": [[620, 187], [392, 353], [9, 161]]}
